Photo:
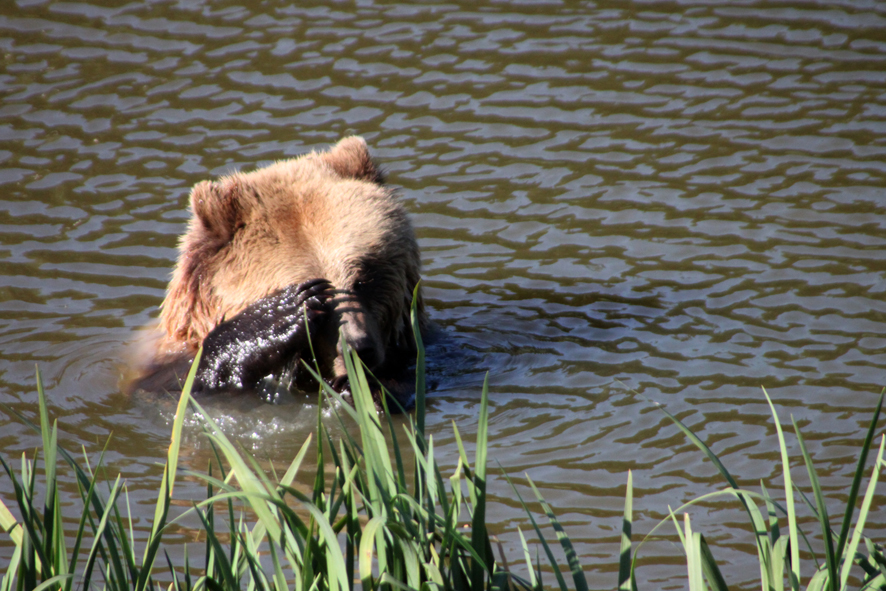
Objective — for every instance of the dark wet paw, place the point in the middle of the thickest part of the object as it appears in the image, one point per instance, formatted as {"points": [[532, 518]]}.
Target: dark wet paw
{"points": [[264, 338]]}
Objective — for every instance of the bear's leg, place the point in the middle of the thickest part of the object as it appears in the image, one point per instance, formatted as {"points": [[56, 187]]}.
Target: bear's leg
{"points": [[262, 339]]}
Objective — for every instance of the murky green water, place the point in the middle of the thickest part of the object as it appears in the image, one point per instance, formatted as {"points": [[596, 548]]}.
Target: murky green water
{"points": [[686, 201]]}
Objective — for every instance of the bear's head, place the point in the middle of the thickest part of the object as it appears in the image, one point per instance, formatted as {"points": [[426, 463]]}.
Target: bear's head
{"points": [[322, 215]]}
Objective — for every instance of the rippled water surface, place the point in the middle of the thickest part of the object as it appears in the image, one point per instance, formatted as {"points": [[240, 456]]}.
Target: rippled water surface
{"points": [[617, 203]]}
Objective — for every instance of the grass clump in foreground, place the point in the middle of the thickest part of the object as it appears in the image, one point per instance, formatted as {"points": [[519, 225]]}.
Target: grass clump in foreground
{"points": [[366, 522]]}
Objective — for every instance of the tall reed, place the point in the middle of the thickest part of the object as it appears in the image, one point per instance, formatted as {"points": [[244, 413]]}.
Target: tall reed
{"points": [[778, 554], [374, 520]]}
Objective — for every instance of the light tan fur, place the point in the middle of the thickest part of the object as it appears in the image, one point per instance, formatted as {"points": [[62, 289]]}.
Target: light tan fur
{"points": [[322, 215]]}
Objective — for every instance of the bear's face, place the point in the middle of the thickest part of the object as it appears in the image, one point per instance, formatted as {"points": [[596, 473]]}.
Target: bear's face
{"points": [[323, 215]]}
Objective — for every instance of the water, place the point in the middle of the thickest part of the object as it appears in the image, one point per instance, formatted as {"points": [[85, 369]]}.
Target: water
{"points": [[618, 204]]}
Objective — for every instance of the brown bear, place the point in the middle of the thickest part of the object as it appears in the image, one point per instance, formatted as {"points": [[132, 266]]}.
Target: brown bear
{"points": [[313, 247]]}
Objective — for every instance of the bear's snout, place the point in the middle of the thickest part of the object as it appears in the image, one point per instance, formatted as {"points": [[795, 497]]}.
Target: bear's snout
{"points": [[358, 330], [366, 348]]}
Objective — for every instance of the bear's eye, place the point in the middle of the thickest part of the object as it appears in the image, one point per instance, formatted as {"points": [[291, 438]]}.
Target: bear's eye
{"points": [[370, 283], [372, 279], [363, 285]]}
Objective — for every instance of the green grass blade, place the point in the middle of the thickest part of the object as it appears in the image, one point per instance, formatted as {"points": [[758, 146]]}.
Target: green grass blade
{"points": [[53, 582], [84, 480], [420, 387], [779, 560], [387, 579], [161, 511], [771, 513], [320, 474], [336, 579], [479, 537], [81, 527], [378, 463], [849, 556], [426, 484], [12, 570], [279, 577], [465, 466], [818, 581], [251, 484], [875, 553], [187, 569], [822, 511], [44, 411], [701, 445], [96, 545], [764, 545], [10, 525], [856, 479], [122, 529], [436, 492], [367, 543], [751, 509], [50, 445], [296, 463], [625, 573], [709, 566], [578, 576], [30, 535], [692, 545], [176, 584], [258, 581], [772, 570], [59, 542], [544, 544], [789, 499], [221, 564], [177, 425], [400, 480], [118, 526], [527, 556]]}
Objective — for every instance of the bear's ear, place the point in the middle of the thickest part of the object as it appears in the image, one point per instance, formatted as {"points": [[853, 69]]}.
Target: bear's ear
{"points": [[218, 207], [350, 158]]}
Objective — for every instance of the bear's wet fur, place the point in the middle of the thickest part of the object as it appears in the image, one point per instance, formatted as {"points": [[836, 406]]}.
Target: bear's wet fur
{"points": [[313, 247]]}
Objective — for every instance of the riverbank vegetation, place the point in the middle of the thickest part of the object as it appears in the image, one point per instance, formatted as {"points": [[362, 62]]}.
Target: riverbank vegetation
{"points": [[377, 521]]}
